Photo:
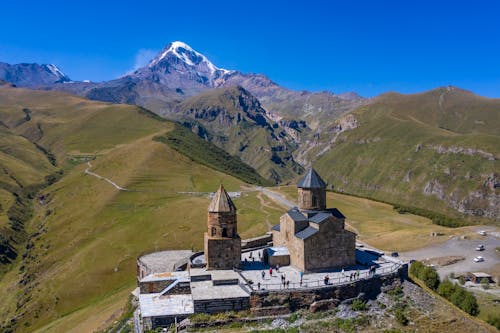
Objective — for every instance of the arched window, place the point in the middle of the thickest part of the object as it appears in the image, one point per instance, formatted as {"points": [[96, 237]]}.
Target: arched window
{"points": [[224, 232], [214, 231]]}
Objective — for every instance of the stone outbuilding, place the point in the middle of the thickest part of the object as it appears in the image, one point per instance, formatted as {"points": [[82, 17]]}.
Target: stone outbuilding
{"points": [[314, 235]]}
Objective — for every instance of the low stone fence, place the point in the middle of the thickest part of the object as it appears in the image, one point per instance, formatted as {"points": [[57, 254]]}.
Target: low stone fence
{"points": [[257, 242]]}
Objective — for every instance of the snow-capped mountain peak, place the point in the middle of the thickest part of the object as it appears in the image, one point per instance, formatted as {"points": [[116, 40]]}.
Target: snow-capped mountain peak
{"points": [[189, 57], [55, 70]]}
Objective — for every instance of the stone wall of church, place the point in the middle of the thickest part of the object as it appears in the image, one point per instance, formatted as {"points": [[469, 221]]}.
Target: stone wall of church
{"points": [[312, 198], [222, 253], [329, 248]]}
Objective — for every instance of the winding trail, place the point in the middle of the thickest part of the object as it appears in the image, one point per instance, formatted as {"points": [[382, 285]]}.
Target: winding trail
{"points": [[88, 172], [276, 197]]}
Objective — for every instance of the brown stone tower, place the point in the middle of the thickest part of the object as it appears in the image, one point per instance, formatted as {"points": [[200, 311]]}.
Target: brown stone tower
{"points": [[222, 242], [312, 191]]}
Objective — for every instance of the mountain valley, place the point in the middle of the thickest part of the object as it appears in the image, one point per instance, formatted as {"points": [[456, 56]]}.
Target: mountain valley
{"points": [[170, 132]]}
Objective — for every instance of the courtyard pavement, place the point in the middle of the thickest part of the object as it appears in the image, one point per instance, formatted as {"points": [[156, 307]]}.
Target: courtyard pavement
{"points": [[256, 271]]}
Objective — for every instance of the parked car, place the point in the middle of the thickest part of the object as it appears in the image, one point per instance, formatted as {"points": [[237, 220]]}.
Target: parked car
{"points": [[482, 233], [478, 259], [394, 254], [480, 247]]}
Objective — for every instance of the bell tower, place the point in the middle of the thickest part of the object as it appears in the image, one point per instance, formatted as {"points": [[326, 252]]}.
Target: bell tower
{"points": [[222, 242], [312, 191]]}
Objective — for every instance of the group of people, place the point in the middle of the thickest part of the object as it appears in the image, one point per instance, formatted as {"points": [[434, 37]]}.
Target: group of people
{"points": [[286, 283], [354, 275]]}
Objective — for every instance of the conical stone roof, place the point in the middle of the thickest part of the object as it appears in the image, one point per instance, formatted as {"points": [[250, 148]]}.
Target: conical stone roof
{"points": [[311, 180], [221, 202]]}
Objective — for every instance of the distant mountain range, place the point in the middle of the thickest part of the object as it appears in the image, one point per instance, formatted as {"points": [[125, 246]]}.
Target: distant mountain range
{"points": [[32, 75], [279, 131]]}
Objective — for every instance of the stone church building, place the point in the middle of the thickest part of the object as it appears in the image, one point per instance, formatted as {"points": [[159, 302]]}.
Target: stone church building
{"points": [[313, 234]]}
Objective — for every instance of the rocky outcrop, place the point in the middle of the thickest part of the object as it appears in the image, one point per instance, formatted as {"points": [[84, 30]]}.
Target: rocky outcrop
{"points": [[482, 202], [462, 150]]}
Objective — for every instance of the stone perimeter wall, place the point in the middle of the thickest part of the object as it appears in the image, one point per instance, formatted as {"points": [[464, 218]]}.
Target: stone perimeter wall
{"points": [[303, 298], [259, 241]]}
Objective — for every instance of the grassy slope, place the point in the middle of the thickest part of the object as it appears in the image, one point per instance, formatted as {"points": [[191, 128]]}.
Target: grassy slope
{"points": [[189, 144], [388, 134], [235, 119], [88, 235]]}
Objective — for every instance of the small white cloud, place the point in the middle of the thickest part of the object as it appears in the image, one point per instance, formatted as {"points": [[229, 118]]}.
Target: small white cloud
{"points": [[143, 57]]}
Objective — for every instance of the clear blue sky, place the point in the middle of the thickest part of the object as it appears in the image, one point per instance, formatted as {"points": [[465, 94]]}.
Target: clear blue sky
{"points": [[365, 46]]}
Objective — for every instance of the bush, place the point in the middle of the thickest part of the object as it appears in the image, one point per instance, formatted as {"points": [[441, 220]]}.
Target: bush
{"points": [[400, 317], [396, 292], [485, 283], [416, 268], [430, 277], [465, 301], [359, 305], [461, 280], [446, 289], [457, 296], [469, 304]]}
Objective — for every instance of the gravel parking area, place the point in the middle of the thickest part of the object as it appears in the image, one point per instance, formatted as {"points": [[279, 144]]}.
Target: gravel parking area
{"points": [[465, 248]]}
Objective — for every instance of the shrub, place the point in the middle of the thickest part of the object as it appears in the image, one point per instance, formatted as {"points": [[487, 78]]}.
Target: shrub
{"points": [[465, 301], [446, 289], [452, 275], [469, 304], [430, 277], [416, 268], [457, 296], [400, 317], [396, 292], [485, 283], [359, 305], [461, 280]]}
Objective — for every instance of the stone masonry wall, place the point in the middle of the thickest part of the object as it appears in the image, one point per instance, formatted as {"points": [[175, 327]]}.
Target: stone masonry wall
{"points": [[222, 253], [222, 225], [312, 199], [154, 286], [329, 248], [303, 298], [257, 241]]}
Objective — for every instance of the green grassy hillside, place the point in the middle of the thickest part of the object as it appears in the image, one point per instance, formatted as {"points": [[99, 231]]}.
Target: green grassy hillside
{"points": [[234, 120], [76, 263], [437, 150]]}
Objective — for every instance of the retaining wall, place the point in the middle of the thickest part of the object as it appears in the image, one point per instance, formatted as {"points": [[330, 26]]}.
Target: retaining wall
{"points": [[303, 298]]}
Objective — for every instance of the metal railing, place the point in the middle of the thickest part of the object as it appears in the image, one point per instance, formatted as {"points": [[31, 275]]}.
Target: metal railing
{"points": [[332, 281]]}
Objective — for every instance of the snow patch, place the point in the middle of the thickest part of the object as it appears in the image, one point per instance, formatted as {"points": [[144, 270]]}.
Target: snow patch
{"points": [[55, 70], [181, 50]]}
